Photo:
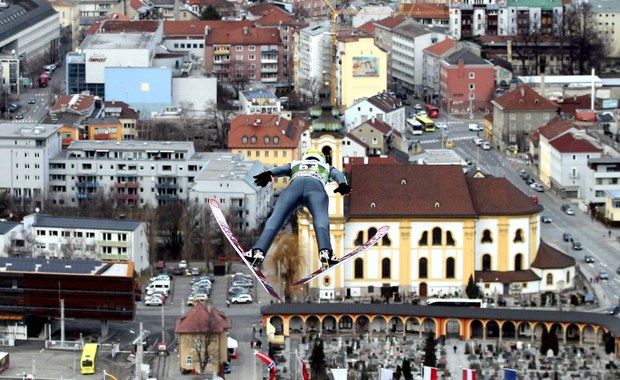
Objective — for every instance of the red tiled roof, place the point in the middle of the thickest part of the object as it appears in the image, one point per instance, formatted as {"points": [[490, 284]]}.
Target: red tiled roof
{"points": [[372, 160], [410, 191], [287, 131], [276, 16], [571, 104], [234, 33], [442, 47], [554, 127], [203, 318], [118, 26], [567, 143], [378, 125], [261, 9], [423, 10], [506, 277], [524, 98], [551, 258], [497, 196], [367, 27], [385, 102], [81, 103], [390, 22]]}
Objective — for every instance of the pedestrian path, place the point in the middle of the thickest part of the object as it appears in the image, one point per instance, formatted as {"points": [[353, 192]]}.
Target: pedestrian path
{"points": [[456, 359]]}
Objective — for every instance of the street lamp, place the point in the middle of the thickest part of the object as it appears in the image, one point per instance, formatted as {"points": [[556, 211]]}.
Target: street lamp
{"points": [[139, 348]]}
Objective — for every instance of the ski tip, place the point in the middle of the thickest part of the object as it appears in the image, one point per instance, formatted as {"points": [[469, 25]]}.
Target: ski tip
{"points": [[214, 202], [384, 229]]}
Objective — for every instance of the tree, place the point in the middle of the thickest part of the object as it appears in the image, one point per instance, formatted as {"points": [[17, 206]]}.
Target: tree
{"points": [[549, 341], [210, 13], [430, 348], [318, 369], [472, 290], [407, 369], [205, 342], [287, 254], [585, 45]]}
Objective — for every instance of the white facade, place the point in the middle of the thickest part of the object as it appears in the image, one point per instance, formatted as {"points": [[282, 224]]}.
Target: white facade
{"points": [[371, 13], [24, 160], [568, 170], [194, 95], [259, 102], [365, 110], [314, 58], [602, 177], [230, 180], [104, 239]]}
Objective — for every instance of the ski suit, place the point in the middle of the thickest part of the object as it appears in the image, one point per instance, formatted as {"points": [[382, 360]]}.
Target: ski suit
{"points": [[307, 188]]}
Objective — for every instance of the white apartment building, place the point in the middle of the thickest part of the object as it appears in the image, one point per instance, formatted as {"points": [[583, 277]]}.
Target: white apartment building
{"points": [[606, 20], [408, 44], [134, 173], [603, 176], [229, 179], [86, 238], [262, 102], [385, 107], [314, 59], [25, 151]]}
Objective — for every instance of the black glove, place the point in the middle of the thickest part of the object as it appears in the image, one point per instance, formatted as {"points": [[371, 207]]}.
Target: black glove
{"points": [[343, 189], [263, 178]]}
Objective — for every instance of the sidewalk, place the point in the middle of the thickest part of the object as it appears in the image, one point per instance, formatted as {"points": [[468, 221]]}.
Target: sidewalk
{"points": [[456, 359]]}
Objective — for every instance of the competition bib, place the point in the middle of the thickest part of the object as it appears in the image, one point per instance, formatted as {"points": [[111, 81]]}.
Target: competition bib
{"points": [[310, 168]]}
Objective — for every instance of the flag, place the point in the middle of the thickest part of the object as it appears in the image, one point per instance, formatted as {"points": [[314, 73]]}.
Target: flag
{"points": [[271, 364], [469, 374], [510, 374], [304, 369], [429, 373], [386, 374], [339, 373]]}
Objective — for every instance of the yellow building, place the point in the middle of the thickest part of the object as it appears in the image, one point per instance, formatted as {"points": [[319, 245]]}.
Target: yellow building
{"points": [[203, 333], [105, 129], [361, 69]]}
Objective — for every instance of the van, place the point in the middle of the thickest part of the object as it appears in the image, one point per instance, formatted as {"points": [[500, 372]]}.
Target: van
{"points": [[158, 285], [486, 145]]}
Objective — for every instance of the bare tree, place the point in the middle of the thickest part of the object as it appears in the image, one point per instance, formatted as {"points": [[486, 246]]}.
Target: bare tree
{"points": [[585, 44], [238, 75], [221, 117], [206, 342], [191, 229]]}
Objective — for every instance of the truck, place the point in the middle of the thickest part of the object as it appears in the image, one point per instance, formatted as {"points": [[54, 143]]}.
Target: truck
{"points": [[44, 80]]}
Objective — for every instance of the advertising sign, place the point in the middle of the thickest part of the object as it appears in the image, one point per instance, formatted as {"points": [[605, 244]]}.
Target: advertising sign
{"points": [[365, 66]]}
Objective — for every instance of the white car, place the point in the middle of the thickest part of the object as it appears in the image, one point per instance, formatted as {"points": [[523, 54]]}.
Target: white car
{"points": [[183, 264], [441, 125], [478, 140], [422, 113], [418, 106], [241, 298], [154, 301], [475, 127], [486, 145]]}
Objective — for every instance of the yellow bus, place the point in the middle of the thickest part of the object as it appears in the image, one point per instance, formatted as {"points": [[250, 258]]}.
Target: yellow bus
{"points": [[428, 124], [89, 354]]}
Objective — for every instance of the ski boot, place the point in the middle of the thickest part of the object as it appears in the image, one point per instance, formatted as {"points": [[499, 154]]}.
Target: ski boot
{"points": [[255, 257], [327, 258]]}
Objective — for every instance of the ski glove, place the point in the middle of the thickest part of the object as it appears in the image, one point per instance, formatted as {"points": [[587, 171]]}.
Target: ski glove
{"points": [[263, 178], [343, 189]]}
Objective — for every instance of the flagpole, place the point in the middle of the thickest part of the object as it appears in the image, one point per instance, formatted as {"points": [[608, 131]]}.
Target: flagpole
{"points": [[254, 377], [296, 365]]}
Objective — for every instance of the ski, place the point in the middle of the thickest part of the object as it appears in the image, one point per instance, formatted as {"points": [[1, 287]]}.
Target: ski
{"points": [[220, 218], [372, 241]]}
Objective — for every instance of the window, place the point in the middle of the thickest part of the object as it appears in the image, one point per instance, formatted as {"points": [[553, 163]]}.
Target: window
{"points": [[359, 240], [513, 116], [251, 57], [486, 237], [423, 268], [385, 268], [549, 279], [423, 239], [359, 268], [472, 75], [449, 239], [450, 267], [239, 48], [518, 236], [436, 236], [518, 262], [486, 263], [471, 88]]}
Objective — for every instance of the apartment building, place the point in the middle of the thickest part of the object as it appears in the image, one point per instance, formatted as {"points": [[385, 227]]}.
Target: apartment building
{"points": [[259, 102], [431, 62], [132, 173], [383, 31], [314, 59], [25, 165], [408, 44], [384, 107]]}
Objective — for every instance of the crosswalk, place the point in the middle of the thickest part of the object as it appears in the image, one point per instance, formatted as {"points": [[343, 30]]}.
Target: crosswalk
{"points": [[438, 140]]}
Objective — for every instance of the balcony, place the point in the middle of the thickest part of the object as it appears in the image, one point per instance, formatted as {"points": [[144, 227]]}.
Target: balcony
{"points": [[86, 185], [269, 79], [86, 195], [129, 197], [114, 257], [126, 185], [462, 6], [269, 69], [102, 136], [112, 243], [222, 50], [166, 186], [167, 197], [269, 56]]}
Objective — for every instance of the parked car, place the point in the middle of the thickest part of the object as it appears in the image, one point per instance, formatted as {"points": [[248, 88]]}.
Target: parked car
{"points": [[183, 264], [529, 181], [195, 271], [568, 210], [577, 245], [546, 219], [588, 258], [603, 275], [154, 301], [535, 199], [613, 310], [537, 187], [477, 140], [523, 174], [227, 368], [178, 271], [486, 145], [32, 101], [19, 116], [241, 298], [405, 102], [236, 290], [418, 107], [566, 236]]}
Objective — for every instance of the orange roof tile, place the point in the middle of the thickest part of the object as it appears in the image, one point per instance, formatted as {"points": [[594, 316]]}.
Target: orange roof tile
{"points": [[270, 126], [276, 16], [442, 47], [203, 318], [197, 27], [568, 143], [367, 27], [554, 128], [234, 33], [524, 98], [424, 10], [391, 22]]}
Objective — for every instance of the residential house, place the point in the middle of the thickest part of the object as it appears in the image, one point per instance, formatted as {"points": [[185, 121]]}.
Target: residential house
{"points": [[431, 62], [127, 117], [87, 238], [542, 158], [353, 147], [603, 179], [255, 102], [379, 137], [470, 18], [384, 107], [361, 71], [239, 53], [408, 44], [612, 205], [271, 139], [467, 83], [203, 333], [570, 153], [230, 179], [517, 114]]}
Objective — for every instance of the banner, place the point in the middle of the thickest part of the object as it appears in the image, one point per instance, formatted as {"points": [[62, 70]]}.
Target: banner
{"points": [[339, 373], [469, 374], [271, 364], [429, 373], [510, 374], [386, 374], [304, 369]]}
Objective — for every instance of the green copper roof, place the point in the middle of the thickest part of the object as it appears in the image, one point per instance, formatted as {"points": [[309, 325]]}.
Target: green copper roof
{"points": [[545, 4]]}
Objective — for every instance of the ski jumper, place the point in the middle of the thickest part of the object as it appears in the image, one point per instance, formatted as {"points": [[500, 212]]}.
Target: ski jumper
{"points": [[307, 188]]}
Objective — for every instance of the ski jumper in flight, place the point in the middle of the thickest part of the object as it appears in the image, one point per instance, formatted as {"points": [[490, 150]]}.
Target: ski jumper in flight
{"points": [[306, 188]]}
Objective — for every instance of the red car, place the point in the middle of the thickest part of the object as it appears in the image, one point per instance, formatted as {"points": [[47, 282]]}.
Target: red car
{"points": [[161, 264]]}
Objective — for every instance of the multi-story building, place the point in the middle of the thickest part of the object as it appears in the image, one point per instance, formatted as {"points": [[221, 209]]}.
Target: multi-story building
{"points": [[602, 177], [242, 53], [384, 106], [361, 69], [467, 82], [26, 164], [92, 11], [383, 39], [379, 137], [408, 44], [88, 238], [229, 179], [604, 14], [314, 61], [427, 13], [127, 117], [271, 139], [541, 152], [69, 14], [517, 114], [133, 173], [431, 62], [259, 102], [470, 18]]}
